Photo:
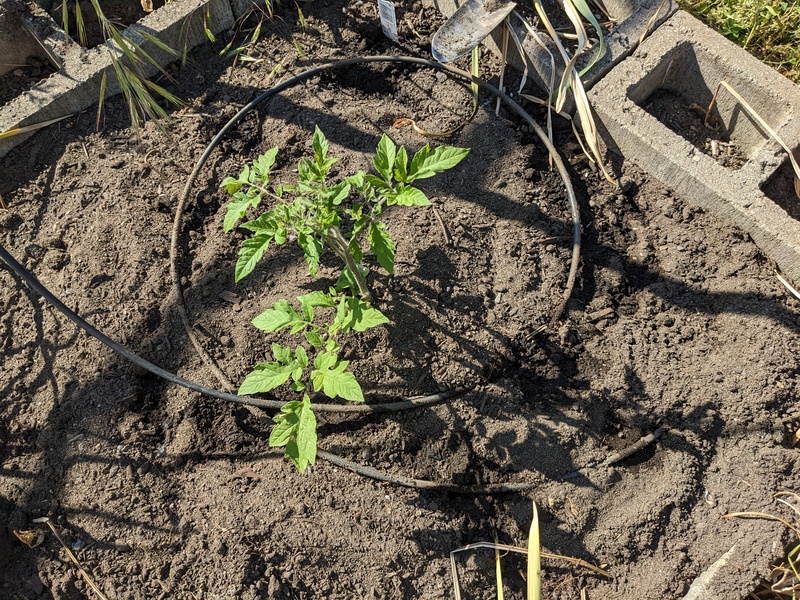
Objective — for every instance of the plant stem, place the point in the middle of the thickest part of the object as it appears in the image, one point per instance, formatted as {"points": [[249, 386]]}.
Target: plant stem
{"points": [[334, 238], [264, 190]]}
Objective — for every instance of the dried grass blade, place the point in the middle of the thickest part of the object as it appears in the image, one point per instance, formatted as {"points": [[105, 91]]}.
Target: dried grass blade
{"points": [[787, 285], [763, 124], [551, 82], [34, 127], [454, 572], [560, 93], [498, 569], [83, 573], [584, 112], [503, 64], [651, 21], [547, 555], [101, 102], [779, 498], [534, 559], [760, 515]]}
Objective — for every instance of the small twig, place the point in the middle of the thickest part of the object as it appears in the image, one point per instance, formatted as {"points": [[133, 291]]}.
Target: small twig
{"points": [[448, 240], [3, 203], [83, 573], [633, 448], [623, 454]]}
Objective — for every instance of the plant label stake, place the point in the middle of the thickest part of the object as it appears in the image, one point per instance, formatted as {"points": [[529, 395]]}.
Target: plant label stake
{"points": [[388, 19]]}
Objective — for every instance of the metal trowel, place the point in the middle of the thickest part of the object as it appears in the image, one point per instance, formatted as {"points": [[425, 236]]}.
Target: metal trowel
{"points": [[469, 25]]}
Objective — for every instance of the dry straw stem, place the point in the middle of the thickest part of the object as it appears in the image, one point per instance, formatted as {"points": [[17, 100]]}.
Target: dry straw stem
{"points": [[786, 284], [572, 80], [34, 127], [783, 581], [497, 547], [763, 124], [651, 20], [83, 573], [498, 569], [534, 559]]}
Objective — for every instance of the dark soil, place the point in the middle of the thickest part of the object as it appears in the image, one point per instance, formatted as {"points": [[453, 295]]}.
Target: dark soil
{"points": [[687, 119], [677, 322]]}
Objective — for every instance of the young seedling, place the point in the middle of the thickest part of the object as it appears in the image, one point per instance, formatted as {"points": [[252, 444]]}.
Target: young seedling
{"points": [[316, 212], [322, 215]]}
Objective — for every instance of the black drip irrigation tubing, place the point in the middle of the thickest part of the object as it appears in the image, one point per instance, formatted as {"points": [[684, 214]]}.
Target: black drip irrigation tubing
{"points": [[406, 404]]}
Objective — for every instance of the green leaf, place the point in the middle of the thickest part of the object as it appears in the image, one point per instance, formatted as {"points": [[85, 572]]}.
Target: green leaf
{"points": [[264, 224], [231, 185], [357, 180], [312, 248], [246, 176], [307, 434], [263, 164], [384, 160], [317, 298], [348, 281], [265, 377], [237, 208], [361, 316], [378, 183], [338, 193], [320, 145], [337, 383], [281, 434], [281, 315], [325, 360], [408, 196], [296, 429], [314, 338], [251, 252], [281, 353], [301, 356], [401, 164], [382, 245], [427, 164]]}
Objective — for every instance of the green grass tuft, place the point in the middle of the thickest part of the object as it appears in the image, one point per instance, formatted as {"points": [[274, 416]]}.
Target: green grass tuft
{"points": [[769, 29]]}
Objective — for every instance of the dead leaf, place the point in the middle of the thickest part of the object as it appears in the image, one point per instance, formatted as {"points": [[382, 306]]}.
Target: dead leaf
{"points": [[147, 5], [30, 537]]}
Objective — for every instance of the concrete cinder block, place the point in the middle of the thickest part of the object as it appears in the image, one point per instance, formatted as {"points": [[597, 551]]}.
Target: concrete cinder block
{"points": [[180, 25], [688, 60], [632, 17]]}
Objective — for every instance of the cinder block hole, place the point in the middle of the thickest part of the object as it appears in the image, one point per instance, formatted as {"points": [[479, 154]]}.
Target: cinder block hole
{"points": [[22, 63], [679, 89], [120, 12], [780, 188]]}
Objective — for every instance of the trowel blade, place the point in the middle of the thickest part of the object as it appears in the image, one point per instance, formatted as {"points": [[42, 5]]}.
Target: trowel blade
{"points": [[469, 25]]}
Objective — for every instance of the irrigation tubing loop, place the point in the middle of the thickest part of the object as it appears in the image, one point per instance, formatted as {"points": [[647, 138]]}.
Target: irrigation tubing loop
{"points": [[405, 404], [301, 77]]}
